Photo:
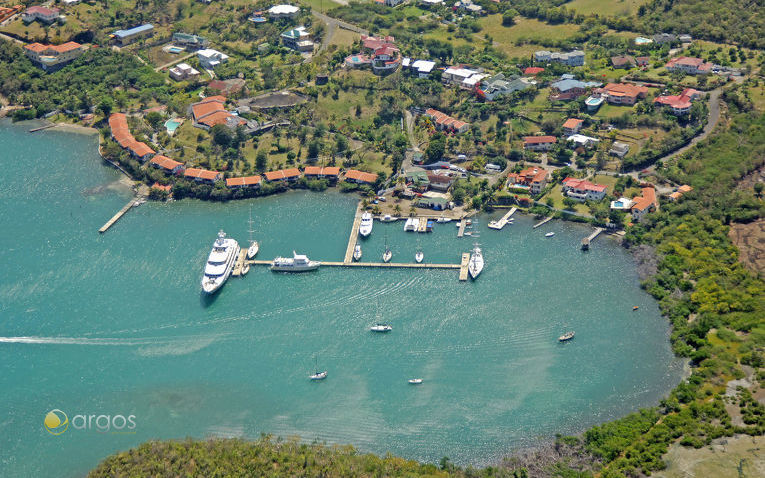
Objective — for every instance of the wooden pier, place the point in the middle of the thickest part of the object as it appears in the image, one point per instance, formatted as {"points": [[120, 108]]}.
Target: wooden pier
{"points": [[464, 266], [461, 231], [586, 241], [240, 262], [498, 225], [117, 216], [354, 236], [383, 265], [543, 221], [47, 126], [422, 225]]}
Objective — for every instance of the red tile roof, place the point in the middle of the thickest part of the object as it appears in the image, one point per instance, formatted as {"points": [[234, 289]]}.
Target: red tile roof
{"points": [[583, 184], [646, 200], [322, 171], [166, 188], [539, 139], [165, 163], [243, 181], [282, 174], [201, 174], [533, 70], [625, 89], [528, 176], [572, 123], [41, 10], [361, 176], [140, 149]]}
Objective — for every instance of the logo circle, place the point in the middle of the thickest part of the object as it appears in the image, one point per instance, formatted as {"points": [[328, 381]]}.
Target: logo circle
{"points": [[56, 422]]}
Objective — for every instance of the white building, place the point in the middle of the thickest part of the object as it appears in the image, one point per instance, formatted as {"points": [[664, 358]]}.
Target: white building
{"points": [[457, 76], [572, 58], [283, 11], [422, 67], [209, 58], [183, 71], [582, 140]]}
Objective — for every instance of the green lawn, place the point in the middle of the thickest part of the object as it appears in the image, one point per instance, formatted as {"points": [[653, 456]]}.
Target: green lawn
{"points": [[556, 193], [529, 31], [606, 8]]}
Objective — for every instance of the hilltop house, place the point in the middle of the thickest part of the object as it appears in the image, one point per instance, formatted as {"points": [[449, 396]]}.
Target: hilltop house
{"points": [[572, 58], [497, 85], [689, 65], [298, 39], [183, 71], [191, 42], [583, 190], [644, 204], [539, 143], [532, 179], [209, 58], [572, 126], [679, 104], [458, 75], [41, 14], [53, 57], [619, 149], [126, 37], [422, 68], [444, 122], [623, 93]]}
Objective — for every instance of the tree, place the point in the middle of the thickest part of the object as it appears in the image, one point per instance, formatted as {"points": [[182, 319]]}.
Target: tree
{"points": [[261, 160], [758, 187], [106, 105], [508, 18], [436, 148], [154, 119], [221, 135]]}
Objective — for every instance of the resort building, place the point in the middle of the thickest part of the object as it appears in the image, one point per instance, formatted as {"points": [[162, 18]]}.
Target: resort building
{"points": [[289, 175], [498, 85], [183, 71], [583, 190], [444, 122], [539, 143], [192, 42], [644, 204], [53, 57], [41, 14], [532, 179], [689, 65], [684, 189], [572, 58], [322, 172], [209, 58], [121, 134], [126, 37], [166, 164], [679, 105], [283, 11], [244, 182], [623, 93], [360, 177], [580, 140], [619, 149], [572, 126], [298, 39], [212, 111], [202, 175]]}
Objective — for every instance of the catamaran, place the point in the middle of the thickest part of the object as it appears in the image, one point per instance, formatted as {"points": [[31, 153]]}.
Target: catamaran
{"points": [[296, 263], [219, 263], [357, 253], [475, 265], [365, 229], [252, 251]]}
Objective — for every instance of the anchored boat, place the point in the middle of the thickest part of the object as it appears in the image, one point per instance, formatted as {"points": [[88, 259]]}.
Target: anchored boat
{"points": [[566, 337], [219, 263], [381, 328], [387, 255], [415, 381], [252, 251]]}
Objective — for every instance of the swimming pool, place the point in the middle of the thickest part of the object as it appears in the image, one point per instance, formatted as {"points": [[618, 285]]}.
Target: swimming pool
{"points": [[175, 49], [172, 125]]}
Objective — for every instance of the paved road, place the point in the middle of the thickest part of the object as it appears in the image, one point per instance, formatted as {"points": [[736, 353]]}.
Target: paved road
{"points": [[8, 38]]}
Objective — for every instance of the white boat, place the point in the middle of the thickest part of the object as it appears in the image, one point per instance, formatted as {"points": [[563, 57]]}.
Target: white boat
{"points": [[550, 234], [419, 256], [566, 337], [296, 263], [252, 251], [494, 225], [409, 225], [365, 229], [318, 375], [387, 255], [416, 224], [443, 219], [219, 263], [475, 264], [415, 381], [388, 218], [357, 253], [381, 328]]}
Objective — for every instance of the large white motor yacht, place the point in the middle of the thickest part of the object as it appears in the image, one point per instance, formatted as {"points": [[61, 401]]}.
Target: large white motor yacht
{"points": [[365, 228], [296, 263], [220, 263], [475, 265]]}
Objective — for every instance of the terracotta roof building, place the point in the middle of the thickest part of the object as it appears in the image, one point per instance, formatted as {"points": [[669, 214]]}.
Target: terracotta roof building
{"points": [[53, 57], [331, 172], [623, 93], [644, 204], [168, 165], [533, 179], [356, 176], [291, 174], [539, 143], [689, 65], [244, 182], [442, 121], [211, 111], [572, 126], [583, 190], [121, 134], [202, 175]]}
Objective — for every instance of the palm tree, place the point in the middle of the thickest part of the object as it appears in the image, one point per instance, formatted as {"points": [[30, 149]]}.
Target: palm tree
{"points": [[412, 211], [397, 209]]}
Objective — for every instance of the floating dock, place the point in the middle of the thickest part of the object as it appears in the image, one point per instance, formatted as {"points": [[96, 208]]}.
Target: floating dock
{"points": [[117, 216], [354, 235], [47, 126], [543, 221], [498, 225], [240, 262], [464, 266], [422, 224], [461, 231], [586, 241]]}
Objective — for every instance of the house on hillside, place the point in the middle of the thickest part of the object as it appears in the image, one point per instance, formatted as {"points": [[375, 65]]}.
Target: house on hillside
{"points": [[191, 42], [572, 58], [360, 177], [689, 65], [572, 126], [498, 85], [53, 57], [580, 140], [532, 179], [644, 204], [209, 58], [444, 122], [126, 37], [539, 143], [283, 175], [211, 111], [283, 11], [619, 149], [183, 71], [332, 173], [41, 14], [567, 88], [623, 93], [298, 39], [583, 190], [202, 175], [679, 105], [252, 182], [623, 61]]}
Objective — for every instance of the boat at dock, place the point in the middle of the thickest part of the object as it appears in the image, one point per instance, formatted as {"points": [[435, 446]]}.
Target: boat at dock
{"points": [[387, 255], [219, 263], [429, 225], [357, 253], [381, 328], [419, 256], [443, 219], [409, 225], [415, 381], [475, 264], [252, 251], [365, 228], [566, 337], [296, 263], [388, 218]]}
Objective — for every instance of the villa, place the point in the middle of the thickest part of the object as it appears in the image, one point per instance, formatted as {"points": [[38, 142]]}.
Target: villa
{"points": [[583, 141], [209, 58], [298, 39], [202, 175], [183, 71], [53, 57], [583, 190], [469, 6], [623, 61], [360, 177], [532, 179], [41, 14], [621, 204], [444, 122], [193, 42], [497, 85], [567, 88], [166, 164], [457, 75], [289, 175], [572, 126], [283, 11], [689, 65], [244, 182], [539, 143], [644, 204], [679, 104], [623, 93], [573, 58], [211, 111], [372, 43], [121, 134], [619, 149], [322, 172], [422, 68], [440, 180], [385, 60], [126, 37]]}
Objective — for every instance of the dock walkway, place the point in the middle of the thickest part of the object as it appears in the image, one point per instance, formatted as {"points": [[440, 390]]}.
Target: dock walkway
{"points": [[389, 265], [498, 225], [461, 231], [464, 266], [354, 236], [240, 261], [117, 216], [421, 226], [586, 241], [543, 221]]}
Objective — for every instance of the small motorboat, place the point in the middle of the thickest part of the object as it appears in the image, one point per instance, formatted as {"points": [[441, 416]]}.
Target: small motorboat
{"points": [[388, 218], [635, 308], [357, 253], [419, 256], [550, 234], [443, 219], [245, 268], [319, 375], [252, 251], [566, 337], [415, 381], [381, 328]]}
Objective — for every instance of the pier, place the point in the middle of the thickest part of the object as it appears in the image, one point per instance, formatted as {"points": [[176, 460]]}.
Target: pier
{"points": [[498, 225], [461, 231], [33, 130], [384, 265], [543, 221], [354, 236], [422, 225], [240, 262], [117, 216], [586, 241], [464, 266]]}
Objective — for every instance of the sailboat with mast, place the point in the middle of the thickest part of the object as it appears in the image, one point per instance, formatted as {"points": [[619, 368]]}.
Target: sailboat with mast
{"points": [[419, 255], [475, 265], [318, 375], [387, 255], [252, 251]]}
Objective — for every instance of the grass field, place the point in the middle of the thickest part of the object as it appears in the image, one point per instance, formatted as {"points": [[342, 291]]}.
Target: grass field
{"points": [[610, 8], [521, 38], [343, 37], [556, 194]]}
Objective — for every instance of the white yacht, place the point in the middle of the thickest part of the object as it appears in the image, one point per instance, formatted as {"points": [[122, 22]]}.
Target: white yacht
{"points": [[419, 256], [550, 234], [357, 253], [318, 375], [443, 219], [220, 263], [252, 251], [365, 229], [415, 381], [475, 265], [296, 263], [409, 225], [381, 328]]}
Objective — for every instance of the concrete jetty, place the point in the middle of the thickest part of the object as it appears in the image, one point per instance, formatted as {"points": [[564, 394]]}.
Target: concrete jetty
{"points": [[421, 226], [240, 262], [464, 266], [543, 221], [498, 225], [117, 216], [348, 258], [384, 265], [42, 128], [586, 241], [461, 231]]}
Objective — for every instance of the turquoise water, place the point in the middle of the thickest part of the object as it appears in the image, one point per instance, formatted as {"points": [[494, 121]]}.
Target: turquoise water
{"points": [[172, 125], [114, 324]]}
